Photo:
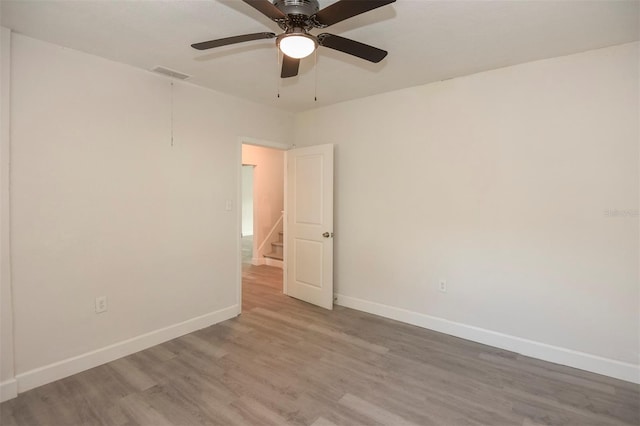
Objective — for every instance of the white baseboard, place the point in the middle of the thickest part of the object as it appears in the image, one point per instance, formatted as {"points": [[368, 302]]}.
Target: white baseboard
{"points": [[52, 372], [558, 355], [274, 262], [267, 261], [8, 390]]}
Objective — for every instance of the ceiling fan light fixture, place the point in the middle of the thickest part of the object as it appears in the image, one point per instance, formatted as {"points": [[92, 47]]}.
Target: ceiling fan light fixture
{"points": [[296, 18], [297, 45]]}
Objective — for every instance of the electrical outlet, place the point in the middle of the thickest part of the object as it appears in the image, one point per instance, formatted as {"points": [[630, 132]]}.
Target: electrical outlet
{"points": [[101, 304], [443, 286]]}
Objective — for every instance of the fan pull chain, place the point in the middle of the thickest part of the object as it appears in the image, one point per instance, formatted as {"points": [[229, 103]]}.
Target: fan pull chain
{"points": [[278, 70], [315, 72], [172, 113]]}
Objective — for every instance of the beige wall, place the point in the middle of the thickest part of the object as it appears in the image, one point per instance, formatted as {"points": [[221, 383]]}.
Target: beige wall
{"points": [[103, 204], [268, 190], [499, 183], [7, 382]]}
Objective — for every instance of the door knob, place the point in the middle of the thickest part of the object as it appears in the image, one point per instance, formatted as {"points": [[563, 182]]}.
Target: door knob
{"points": [[327, 234]]}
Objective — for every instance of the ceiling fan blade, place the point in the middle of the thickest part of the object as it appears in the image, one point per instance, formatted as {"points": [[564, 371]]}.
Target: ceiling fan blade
{"points": [[231, 40], [289, 67], [267, 9], [352, 47], [345, 9]]}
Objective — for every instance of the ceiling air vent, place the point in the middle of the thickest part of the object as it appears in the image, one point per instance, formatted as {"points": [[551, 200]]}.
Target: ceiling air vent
{"points": [[171, 73]]}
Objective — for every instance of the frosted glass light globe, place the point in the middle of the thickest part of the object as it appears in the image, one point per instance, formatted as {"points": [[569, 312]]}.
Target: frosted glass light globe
{"points": [[297, 46]]}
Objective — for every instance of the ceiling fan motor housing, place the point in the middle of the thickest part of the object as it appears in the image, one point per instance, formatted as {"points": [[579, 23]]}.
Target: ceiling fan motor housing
{"points": [[297, 7]]}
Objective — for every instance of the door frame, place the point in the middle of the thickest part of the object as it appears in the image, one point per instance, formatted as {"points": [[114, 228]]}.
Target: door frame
{"points": [[246, 140]]}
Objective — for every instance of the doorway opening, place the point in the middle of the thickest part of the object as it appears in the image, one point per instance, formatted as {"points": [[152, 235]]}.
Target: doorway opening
{"points": [[262, 216], [305, 190]]}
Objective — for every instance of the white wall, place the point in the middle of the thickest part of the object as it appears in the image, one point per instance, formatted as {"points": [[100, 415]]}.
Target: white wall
{"points": [[498, 183], [268, 190], [8, 388], [247, 200], [103, 204]]}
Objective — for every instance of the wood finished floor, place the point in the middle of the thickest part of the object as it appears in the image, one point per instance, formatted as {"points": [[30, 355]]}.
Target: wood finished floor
{"points": [[286, 362]]}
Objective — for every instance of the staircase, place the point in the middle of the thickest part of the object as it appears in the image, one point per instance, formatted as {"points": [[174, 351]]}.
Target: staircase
{"points": [[277, 248]]}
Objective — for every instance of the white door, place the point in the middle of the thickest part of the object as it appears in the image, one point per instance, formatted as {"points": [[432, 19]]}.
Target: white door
{"points": [[309, 219]]}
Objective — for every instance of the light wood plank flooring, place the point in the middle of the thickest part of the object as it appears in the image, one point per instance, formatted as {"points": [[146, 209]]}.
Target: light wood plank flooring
{"points": [[286, 362]]}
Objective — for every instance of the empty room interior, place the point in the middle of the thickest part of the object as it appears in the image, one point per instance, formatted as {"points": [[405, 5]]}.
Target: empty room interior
{"points": [[320, 212]]}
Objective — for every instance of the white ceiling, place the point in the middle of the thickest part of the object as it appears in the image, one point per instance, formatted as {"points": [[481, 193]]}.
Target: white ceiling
{"points": [[427, 41]]}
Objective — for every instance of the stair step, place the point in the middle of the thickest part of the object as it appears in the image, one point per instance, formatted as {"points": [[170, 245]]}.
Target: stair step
{"points": [[277, 248], [281, 236], [274, 255]]}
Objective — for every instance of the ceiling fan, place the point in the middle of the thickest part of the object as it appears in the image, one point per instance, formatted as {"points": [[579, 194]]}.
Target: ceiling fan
{"points": [[296, 18]]}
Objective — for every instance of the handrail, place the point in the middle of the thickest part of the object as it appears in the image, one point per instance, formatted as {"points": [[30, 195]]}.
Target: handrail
{"points": [[269, 236]]}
